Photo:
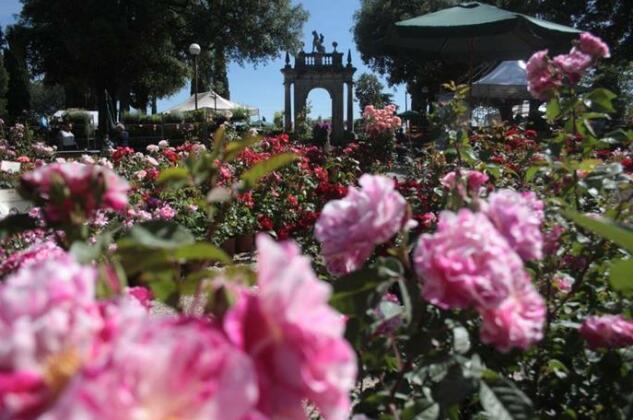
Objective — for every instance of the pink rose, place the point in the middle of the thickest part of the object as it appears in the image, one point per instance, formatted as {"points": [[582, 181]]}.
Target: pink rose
{"points": [[610, 331], [518, 321], [518, 217], [72, 192], [164, 369], [35, 253], [574, 64], [48, 318], [594, 46], [542, 76], [349, 229], [294, 337], [466, 262], [474, 179]]}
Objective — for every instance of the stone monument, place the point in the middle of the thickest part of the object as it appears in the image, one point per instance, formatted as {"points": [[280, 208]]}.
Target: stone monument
{"points": [[320, 69]]}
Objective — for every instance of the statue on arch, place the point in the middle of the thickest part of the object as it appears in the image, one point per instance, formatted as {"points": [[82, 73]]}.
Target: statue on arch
{"points": [[321, 44], [315, 41]]}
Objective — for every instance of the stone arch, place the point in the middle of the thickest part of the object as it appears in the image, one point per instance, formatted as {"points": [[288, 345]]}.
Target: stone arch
{"points": [[325, 71], [301, 100]]}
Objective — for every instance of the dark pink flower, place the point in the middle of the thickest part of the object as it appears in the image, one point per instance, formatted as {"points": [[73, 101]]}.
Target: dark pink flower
{"points": [[161, 369], [294, 337], [466, 262], [349, 229], [594, 46], [518, 321], [73, 192], [610, 331], [518, 217]]}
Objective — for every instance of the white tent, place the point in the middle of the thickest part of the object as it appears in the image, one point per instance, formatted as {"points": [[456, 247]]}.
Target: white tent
{"points": [[507, 81], [211, 101]]}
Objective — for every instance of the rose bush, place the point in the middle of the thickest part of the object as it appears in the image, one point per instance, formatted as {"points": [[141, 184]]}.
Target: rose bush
{"points": [[491, 278]]}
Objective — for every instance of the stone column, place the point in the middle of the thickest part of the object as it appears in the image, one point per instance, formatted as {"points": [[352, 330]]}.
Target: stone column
{"points": [[287, 108], [299, 101], [338, 113], [350, 107]]}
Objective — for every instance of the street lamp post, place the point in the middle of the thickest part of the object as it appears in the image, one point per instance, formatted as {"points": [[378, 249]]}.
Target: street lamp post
{"points": [[194, 50]]}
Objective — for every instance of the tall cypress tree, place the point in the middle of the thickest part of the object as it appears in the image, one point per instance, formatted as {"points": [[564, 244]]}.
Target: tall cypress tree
{"points": [[4, 78], [14, 57]]}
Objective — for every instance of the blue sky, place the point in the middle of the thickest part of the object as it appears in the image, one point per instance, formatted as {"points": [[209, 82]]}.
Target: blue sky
{"points": [[262, 86]]}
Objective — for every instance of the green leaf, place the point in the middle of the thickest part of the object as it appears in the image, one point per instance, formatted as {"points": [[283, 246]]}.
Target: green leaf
{"points": [[16, 223], [588, 165], [355, 293], [502, 400], [202, 251], [602, 99], [260, 170], [163, 288], [621, 277], [85, 253], [161, 235], [620, 234], [553, 109], [174, 176], [531, 173]]}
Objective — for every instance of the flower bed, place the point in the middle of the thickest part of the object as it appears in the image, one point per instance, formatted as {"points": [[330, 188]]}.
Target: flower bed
{"points": [[490, 277]]}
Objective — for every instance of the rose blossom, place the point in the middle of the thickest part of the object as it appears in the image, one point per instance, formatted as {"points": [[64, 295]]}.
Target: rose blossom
{"points": [[69, 190], [163, 144], [573, 64], [152, 148], [610, 331], [474, 179], [518, 321], [48, 317], [594, 46], [349, 229], [518, 217], [163, 369], [563, 282], [542, 76], [466, 262], [33, 254], [294, 337], [166, 212]]}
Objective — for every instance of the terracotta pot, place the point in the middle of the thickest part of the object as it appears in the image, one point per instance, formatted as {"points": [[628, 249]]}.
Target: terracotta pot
{"points": [[228, 246], [245, 243]]}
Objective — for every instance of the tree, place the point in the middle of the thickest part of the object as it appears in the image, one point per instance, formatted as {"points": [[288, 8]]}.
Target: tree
{"points": [[610, 19], [4, 77], [242, 31], [373, 22], [369, 91], [18, 95], [46, 99], [94, 46]]}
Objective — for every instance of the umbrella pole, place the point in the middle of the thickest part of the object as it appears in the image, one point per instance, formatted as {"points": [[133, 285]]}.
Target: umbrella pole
{"points": [[471, 59]]}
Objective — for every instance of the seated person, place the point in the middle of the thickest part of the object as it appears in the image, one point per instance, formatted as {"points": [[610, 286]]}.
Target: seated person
{"points": [[121, 135], [65, 137]]}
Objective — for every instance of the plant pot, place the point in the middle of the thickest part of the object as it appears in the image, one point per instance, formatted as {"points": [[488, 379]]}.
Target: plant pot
{"points": [[245, 243], [228, 246]]}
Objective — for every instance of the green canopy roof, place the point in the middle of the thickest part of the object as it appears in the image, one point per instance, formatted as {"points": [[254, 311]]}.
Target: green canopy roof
{"points": [[480, 31]]}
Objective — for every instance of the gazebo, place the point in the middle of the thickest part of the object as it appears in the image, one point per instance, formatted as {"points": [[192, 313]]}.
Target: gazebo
{"points": [[506, 81], [213, 102]]}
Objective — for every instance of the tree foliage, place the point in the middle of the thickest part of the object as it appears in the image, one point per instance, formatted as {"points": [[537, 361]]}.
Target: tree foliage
{"points": [[106, 44], [612, 20], [242, 31], [369, 91], [18, 95], [4, 78]]}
